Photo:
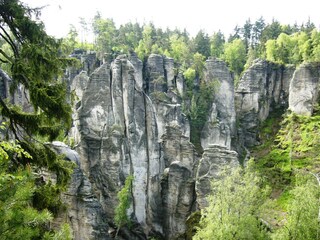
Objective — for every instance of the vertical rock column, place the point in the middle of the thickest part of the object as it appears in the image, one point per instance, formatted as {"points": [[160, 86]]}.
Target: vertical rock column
{"points": [[175, 167], [141, 153], [218, 132], [177, 183], [220, 127], [100, 145]]}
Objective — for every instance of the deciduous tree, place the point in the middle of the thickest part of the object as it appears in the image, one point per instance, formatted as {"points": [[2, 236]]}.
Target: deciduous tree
{"points": [[234, 207]]}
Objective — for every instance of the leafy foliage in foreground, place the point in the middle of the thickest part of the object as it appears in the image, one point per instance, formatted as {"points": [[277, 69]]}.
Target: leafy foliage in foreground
{"points": [[234, 209], [31, 62], [18, 218], [303, 209], [239, 206]]}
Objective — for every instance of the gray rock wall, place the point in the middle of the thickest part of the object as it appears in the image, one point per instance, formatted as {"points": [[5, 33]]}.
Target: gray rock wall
{"points": [[219, 131], [128, 120], [220, 127], [122, 130], [214, 159], [304, 89], [262, 88], [84, 211]]}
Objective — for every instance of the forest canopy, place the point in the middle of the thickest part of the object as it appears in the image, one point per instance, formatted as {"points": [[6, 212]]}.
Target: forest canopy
{"points": [[284, 44]]}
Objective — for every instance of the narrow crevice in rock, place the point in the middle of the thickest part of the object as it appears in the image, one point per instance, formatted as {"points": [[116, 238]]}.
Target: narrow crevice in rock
{"points": [[148, 158]]}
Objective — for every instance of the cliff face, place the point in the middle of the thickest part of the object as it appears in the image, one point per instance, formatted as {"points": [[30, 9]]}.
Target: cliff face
{"points": [[128, 120], [263, 88], [220, 127], [129, 125], [304, 89], [219, 132]]}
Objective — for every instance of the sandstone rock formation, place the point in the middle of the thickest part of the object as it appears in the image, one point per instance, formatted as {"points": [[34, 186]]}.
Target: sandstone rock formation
{"points": [[304, 89], [121, 119], [220, 127], [263, 88], [177, 183], [84, 212], [214, 159], [219, 130], [128, 120]]}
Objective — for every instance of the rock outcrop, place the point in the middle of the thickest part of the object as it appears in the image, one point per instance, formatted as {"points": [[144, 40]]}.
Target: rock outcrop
{"points": [[128, 120], [214, 159], [263, 88], [84, 211], [304, 89], [177, 183], [220, 127], [126, 125], [218, 132]]}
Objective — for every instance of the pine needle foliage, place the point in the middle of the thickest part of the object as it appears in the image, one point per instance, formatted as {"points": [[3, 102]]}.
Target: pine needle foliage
{"points": [[18, 218], [34, 62]]}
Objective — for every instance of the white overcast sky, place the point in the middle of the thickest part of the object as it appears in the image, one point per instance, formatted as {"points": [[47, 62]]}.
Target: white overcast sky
{"points": [[192, 15]]}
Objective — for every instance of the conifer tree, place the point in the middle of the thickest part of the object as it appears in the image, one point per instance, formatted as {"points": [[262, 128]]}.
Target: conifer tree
{"points": [[34, 63]]}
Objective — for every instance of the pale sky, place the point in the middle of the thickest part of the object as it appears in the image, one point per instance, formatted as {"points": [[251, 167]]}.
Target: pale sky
{"points": [[192, 15]]}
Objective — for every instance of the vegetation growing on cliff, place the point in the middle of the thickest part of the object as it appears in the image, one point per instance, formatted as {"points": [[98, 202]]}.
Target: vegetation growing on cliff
{"points": [[239, 208], [124, 197], [288, 159]]}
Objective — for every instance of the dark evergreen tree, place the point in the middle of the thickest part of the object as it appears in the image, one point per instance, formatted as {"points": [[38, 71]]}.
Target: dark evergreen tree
{"points": [[271, 31], [246, 34], [235, 34], [202, 43], [35, 62], [257, 29], [308, 27], [217, 44]]}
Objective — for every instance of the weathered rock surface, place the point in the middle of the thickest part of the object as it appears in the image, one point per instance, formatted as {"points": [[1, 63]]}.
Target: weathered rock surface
{"points": [[214, 159], [84, 212], [220, 127], [262, 89], [177, 181], [128, 120], [218, 132], [304, 89], [120, 129], [20, 96]]}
